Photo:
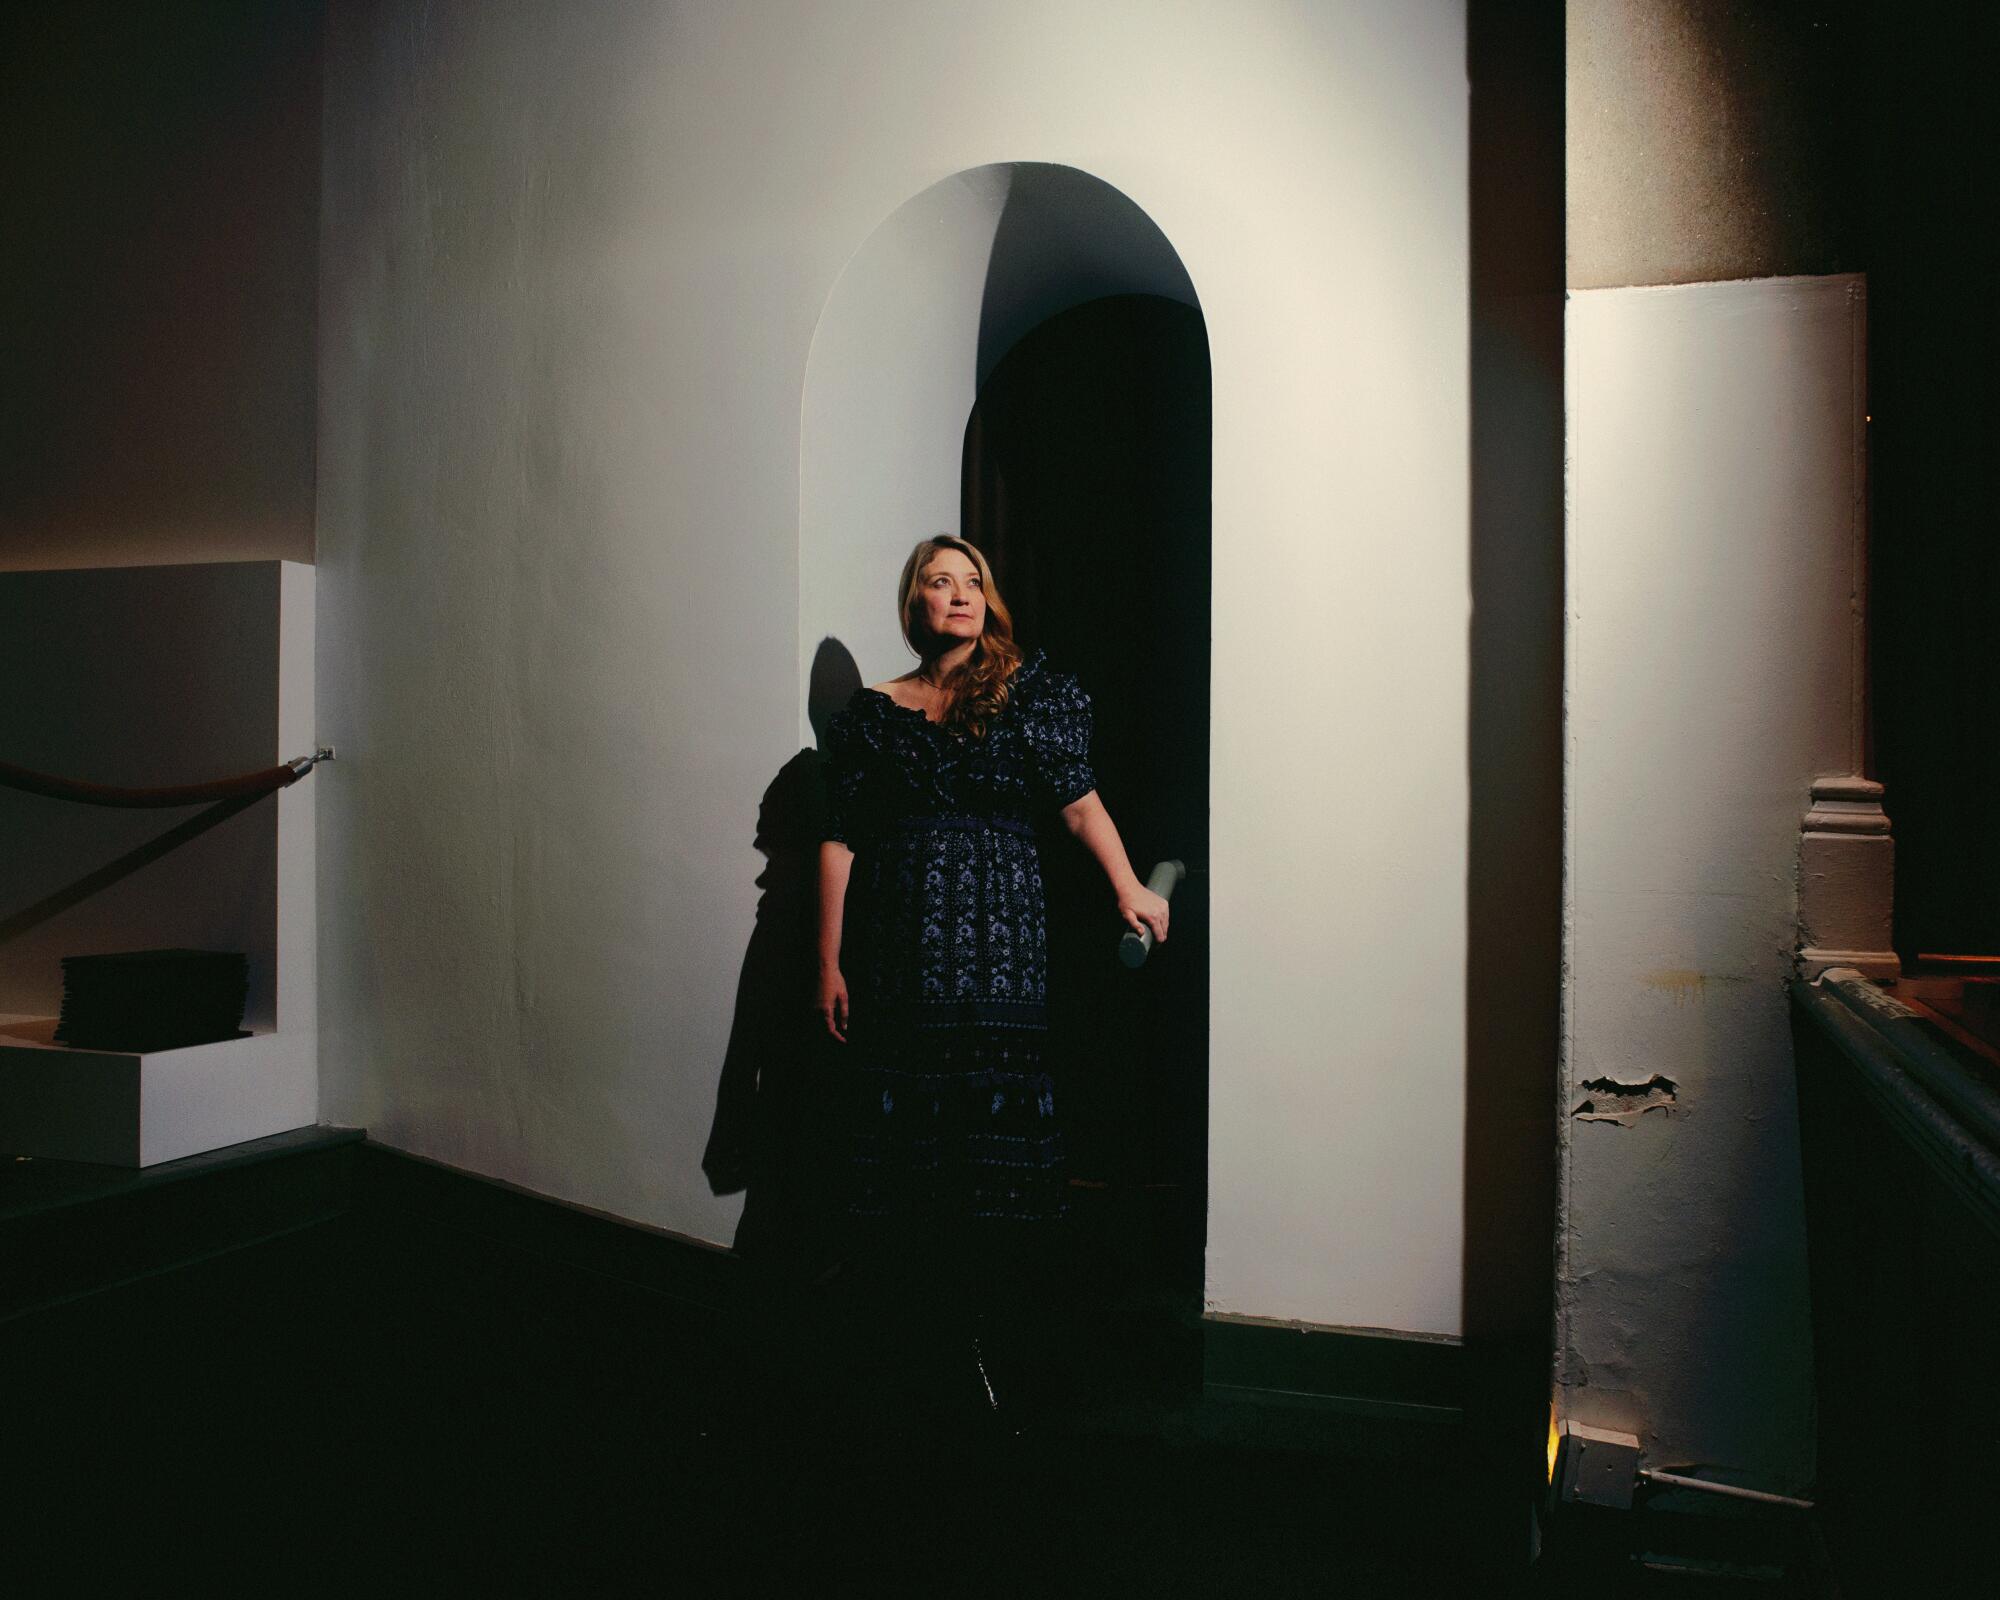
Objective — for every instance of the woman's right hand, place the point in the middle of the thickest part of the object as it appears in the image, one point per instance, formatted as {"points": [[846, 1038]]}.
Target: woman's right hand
{"points": [[831, 1003]]}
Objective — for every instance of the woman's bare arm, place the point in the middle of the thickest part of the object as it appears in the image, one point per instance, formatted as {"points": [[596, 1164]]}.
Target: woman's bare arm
{"points": [[836, 862], [1093, 828]]}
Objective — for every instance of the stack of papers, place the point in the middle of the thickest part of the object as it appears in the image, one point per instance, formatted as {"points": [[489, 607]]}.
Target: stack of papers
{"points": [[152, 999]]}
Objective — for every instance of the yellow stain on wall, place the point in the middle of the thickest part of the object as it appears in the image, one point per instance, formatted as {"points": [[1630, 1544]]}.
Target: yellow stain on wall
{"points": [[1683, 983]]}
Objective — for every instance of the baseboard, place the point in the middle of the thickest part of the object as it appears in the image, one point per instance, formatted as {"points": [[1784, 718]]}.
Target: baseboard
{"points": [[1358, 1371]]}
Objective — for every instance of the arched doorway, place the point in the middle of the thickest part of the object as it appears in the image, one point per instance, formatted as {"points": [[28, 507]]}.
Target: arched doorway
{"points": [[924, 310], [1018, 353]]}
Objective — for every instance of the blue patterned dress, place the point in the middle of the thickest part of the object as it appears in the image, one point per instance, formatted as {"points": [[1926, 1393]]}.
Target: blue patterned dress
{"points": [[944, 948]]}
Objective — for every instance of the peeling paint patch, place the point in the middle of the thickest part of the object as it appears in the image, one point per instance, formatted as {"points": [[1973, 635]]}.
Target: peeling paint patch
{"points": [[1608, 1100]]}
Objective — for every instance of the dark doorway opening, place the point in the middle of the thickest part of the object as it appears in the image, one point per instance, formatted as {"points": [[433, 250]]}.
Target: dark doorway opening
{"points": [[1087, 482]]}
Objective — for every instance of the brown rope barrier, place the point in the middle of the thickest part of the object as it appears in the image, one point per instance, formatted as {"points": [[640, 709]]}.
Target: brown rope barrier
{"points": [[244, 786]]}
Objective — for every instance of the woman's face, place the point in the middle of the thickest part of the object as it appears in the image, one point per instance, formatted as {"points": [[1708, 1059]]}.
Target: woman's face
{"points": [[954, 606]]}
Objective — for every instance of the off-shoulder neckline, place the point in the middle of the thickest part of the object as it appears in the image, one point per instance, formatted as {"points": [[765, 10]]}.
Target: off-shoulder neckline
{"points": [[894, 704], [1029, 668]]}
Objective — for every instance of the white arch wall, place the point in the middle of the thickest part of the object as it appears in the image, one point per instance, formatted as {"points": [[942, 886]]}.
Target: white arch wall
{"points": [[572, 267]]}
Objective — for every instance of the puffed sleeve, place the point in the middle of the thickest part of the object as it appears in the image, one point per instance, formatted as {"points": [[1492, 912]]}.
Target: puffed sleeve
{"points": [[846, 769], [1057, 719]]}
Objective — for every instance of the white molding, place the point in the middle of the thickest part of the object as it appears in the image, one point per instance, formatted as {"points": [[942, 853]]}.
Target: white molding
{"points": [[1846, 881]]}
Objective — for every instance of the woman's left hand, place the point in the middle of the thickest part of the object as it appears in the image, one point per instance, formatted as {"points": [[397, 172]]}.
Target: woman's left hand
{"points": [[1142, 909]]}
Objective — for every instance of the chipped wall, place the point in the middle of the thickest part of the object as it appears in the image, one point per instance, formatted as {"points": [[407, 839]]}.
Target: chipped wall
{"points": [[1715, 481], [1715, 438]]}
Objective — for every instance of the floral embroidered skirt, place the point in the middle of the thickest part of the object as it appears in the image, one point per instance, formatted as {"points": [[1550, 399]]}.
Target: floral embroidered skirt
{"points": [[952, 1113]]}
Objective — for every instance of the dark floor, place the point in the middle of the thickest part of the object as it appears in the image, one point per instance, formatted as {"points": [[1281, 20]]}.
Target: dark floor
{"points": [[334, 1411]]}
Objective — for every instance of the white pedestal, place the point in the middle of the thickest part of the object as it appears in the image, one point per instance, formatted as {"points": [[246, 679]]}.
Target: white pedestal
{"points": [[139, 1110]]}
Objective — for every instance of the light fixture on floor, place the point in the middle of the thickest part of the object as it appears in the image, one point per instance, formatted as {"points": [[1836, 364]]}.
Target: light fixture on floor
{"points": [[1595, 1466], [1600, 1467]]}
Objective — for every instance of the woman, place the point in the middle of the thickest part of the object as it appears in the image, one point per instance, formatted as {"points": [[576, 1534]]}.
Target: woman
{"points": [[932, 939]]}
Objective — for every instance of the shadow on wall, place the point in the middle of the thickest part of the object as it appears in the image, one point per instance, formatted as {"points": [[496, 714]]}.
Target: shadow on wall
{"points": [[80, 889], [766, 1141], [1064, 238]]}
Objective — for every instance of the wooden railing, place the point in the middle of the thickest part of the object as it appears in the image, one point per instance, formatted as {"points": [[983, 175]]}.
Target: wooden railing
{"points": [[1900, 1148]]}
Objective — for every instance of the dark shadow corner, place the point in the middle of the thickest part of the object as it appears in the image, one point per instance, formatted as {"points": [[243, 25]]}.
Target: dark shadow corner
{"points": [[1514, 745]]}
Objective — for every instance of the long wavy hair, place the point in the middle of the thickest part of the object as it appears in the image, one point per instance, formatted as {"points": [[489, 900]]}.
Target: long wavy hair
{"points": [[975, 693]]}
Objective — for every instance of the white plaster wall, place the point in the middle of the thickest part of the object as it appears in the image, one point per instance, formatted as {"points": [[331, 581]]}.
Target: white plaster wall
{"points": [[573, 261], [1715, 482]]}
